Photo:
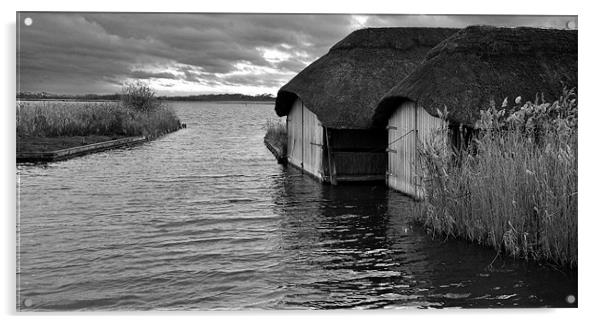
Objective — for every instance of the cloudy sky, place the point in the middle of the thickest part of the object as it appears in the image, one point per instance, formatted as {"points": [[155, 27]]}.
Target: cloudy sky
{"points": [[180, 54]]}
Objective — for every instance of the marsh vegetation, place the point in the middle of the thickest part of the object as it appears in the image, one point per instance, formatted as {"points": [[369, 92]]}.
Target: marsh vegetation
{"points": [[515, 187]]}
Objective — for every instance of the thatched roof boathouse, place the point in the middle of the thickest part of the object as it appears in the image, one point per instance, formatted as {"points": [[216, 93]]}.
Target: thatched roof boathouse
{"points": [[464, 74], [330, 104]]}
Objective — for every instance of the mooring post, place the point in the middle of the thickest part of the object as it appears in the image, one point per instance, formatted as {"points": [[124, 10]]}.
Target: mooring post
{"points": [[331, 165]]}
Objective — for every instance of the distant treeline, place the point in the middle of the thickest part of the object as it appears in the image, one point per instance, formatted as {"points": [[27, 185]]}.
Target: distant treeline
{"points": [[221, 97], [116, 96], [52, 96]]}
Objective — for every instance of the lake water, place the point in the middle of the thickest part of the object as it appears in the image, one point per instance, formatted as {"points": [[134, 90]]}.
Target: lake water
{"points": [[204, 218]]}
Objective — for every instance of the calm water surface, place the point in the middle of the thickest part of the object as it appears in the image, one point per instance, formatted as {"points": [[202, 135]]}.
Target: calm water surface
{"points": [[205, 218]]}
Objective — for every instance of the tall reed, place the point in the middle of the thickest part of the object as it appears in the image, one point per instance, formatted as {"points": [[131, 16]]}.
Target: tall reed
{"points": [[50, 119], [515, 187], [276, 133]]}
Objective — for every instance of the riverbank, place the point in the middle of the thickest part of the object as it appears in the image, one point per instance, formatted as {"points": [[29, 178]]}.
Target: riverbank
{"points": [[56, 119], [47, 131], [48, 144], [278, 151], [71, 151]]}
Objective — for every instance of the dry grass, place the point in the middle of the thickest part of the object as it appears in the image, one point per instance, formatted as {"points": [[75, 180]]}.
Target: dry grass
{"points": [[518, 193], [52, 119]]}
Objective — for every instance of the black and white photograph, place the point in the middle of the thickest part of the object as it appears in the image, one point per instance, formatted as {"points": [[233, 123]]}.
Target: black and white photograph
{"points": [[213, 161]]}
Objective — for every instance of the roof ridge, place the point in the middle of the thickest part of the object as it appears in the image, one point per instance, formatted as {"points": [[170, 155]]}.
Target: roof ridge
{"points": [[492, 41], [394, 38]]}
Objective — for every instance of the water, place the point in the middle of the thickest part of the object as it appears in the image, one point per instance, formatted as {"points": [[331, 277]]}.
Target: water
{"points": [[205, 219]]}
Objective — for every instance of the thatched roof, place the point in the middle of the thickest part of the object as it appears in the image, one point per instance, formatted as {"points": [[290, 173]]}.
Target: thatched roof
{"points": [[343, 87], [482, 63]]}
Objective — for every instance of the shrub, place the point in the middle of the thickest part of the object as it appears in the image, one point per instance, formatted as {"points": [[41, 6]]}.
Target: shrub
{"points": [[139, 96]]}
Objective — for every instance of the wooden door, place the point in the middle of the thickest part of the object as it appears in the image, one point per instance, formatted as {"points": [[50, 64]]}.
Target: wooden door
{"points": [[313, 135], [401, 149]]}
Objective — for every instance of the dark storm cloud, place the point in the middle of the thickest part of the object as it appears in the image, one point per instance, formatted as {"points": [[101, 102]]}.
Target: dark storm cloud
{"points": [[152, 75], [75, 52], [254, 79]]}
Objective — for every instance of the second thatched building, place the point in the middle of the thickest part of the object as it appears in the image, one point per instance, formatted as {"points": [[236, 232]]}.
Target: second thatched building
{"points": [[463, 75]]}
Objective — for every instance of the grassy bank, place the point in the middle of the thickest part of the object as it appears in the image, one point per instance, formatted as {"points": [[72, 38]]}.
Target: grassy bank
{"points": [[52, 119], [276, 134], [517, 189], [56, 125]]}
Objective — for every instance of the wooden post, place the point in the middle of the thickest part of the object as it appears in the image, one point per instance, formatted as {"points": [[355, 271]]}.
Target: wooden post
{"points": [[416, 151], [288, 136], [302, 136], [331, 165]]}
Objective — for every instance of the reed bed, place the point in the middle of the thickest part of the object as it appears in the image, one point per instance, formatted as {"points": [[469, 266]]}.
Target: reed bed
{"points": [[53, 119], [515, 187], [276, 134]]}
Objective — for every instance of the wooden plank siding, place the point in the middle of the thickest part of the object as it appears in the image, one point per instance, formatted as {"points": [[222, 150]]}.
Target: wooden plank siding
{"points": [[409, 127], [313, 136], [294, 123], [401, 149], [305, 140]]}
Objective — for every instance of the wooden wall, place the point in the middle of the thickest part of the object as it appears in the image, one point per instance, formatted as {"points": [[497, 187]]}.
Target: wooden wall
{"points": [[409, 127], [294, 123], [313, 136], [305, 140]]}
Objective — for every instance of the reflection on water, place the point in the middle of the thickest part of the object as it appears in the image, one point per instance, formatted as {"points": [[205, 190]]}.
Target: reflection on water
{"points": [[205, 219], [364, 252]]}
